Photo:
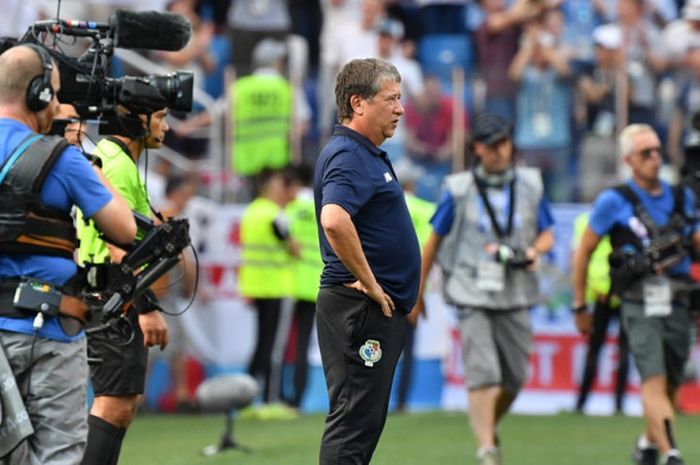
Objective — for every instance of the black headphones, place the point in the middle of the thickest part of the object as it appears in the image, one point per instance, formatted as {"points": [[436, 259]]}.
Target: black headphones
{"points": [[39, 92]]}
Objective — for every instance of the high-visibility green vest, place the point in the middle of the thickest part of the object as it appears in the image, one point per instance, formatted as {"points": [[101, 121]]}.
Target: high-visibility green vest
{"points": [[307, 268], [265, 271], [421, 211], [598, 276], [261, 109]]}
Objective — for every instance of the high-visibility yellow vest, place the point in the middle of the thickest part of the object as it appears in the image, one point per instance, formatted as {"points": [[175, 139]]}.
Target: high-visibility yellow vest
{"points": [[421, 211], [265, 271], [261, 109], [598, 276], [307, 268]]}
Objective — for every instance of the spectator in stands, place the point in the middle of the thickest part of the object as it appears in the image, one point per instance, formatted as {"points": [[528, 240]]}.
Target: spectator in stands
{"points": [[189, 135], [581, 18], [681, 35], [266, 110], [644, 59], [496, 43], [429, 126], [250, 22], [605, 308], [389, 49], [684, 133], [479, 224], [346, 35], [442, 16], [599, 90], [543, 133]]}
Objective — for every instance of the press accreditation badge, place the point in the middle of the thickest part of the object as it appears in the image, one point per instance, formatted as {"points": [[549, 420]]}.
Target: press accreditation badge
{"points": [[657, 296], [490, 276]]}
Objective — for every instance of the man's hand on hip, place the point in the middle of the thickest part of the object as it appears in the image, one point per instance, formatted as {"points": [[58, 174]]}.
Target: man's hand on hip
{"points": [[377, 294]]}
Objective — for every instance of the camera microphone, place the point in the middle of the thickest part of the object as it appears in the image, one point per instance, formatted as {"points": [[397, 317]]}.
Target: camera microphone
{"points": [[150, 30]]}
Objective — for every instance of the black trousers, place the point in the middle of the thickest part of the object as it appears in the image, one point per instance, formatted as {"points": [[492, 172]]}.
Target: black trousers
{"points": [[602, 314], [359, 350], [268, 311]]}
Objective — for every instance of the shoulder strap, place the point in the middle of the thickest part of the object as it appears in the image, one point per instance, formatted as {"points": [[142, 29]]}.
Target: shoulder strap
{"points": [[679, 199], [29, 171], [628, 193], [14, 156]]}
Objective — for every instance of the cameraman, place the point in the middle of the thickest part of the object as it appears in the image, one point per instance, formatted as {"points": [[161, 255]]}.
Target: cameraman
{"points": [[119, 374], [490, 228], [45, 351], [648, 222]]}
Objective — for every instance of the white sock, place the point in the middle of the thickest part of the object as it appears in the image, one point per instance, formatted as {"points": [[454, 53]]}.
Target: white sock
{"points": [[484, 450], [670, 453], [644, 443]]}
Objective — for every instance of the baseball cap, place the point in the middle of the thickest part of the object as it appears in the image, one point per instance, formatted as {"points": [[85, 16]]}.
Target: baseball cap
{"points": [[608, 36], [691, 10], [490, 128], [390, 27], [268, 51]]}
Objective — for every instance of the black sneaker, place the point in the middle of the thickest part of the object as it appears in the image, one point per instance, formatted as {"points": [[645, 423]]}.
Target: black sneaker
{"points": [[648, 456]]}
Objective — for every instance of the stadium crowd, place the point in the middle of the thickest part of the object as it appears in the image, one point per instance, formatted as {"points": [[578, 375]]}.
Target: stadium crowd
{"points": [[569, 74]]}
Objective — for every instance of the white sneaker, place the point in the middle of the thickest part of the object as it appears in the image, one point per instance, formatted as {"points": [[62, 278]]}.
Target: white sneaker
{"points": [[490, 456]]}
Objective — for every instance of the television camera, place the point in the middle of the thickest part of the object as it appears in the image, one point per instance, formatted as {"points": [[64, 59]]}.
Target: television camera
{"points": [[86, 80], [87, 83]]}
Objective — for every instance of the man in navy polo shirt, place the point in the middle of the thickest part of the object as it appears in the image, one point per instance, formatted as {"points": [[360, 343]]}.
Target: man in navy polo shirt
{"points": [[371, 257]]}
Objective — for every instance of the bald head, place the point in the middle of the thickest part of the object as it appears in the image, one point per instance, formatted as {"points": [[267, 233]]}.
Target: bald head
{"points": [[18, 66]]}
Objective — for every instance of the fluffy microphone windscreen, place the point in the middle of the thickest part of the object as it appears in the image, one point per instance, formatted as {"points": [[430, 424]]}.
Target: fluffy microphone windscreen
{"points": [[150, 30]]}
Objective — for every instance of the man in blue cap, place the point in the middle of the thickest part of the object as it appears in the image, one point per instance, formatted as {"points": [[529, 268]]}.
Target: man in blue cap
{"points": [[489, 230]]}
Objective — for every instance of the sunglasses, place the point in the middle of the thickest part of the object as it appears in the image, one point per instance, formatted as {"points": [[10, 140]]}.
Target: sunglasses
{"points": [[647, 152]]}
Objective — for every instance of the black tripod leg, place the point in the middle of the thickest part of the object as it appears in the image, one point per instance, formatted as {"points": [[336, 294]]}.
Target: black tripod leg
{"points": [[227, 439]]}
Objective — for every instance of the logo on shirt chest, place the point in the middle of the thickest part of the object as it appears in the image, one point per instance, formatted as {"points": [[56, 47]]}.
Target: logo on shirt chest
{"points": [[387, 177]]}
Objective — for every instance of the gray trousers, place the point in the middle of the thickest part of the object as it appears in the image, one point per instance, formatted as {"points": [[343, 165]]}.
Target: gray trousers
{"points": [[53, 384]]}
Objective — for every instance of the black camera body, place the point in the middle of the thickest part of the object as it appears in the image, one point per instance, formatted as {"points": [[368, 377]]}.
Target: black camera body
{"points": [[87, 82], [512, 257], [628, 265]]}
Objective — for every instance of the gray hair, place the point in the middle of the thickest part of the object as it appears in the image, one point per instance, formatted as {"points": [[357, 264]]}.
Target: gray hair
{"points": [[627, 135], [361, 77], [18, 66]]}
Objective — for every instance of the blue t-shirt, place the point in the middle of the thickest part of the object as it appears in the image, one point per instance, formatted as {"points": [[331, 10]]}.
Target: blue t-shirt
{"points": [[611, 209], [445, 214], [354, 174], [71, 181]]}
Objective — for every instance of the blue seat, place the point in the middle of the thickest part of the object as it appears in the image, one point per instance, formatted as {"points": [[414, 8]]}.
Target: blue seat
{"points": [[439, 54]]}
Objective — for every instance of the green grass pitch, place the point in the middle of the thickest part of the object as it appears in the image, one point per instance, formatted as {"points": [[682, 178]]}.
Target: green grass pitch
{"points": [[432, 438]]}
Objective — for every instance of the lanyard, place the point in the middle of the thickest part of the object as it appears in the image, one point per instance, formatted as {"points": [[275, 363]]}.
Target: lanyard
{"points": [[489, 208]]}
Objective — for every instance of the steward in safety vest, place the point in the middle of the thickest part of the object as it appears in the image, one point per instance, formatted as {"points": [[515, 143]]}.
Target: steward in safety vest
{"points": [[261, 108], [265, 275]]}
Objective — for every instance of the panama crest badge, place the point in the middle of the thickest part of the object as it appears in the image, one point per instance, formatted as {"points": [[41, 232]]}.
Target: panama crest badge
{"points": [[371, 352]]}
